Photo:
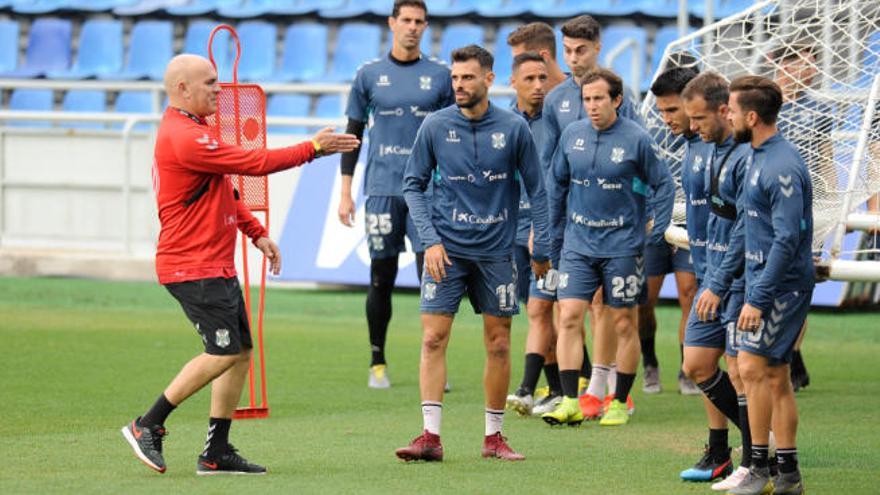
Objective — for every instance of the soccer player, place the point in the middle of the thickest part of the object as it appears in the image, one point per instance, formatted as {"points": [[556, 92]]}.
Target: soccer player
{"points": [[396, 92], [711, 327], [537, 38], [529, 79], [603, 172], [777, 201], [807, 125], [200, 214], [663, 258], [472, 153]]}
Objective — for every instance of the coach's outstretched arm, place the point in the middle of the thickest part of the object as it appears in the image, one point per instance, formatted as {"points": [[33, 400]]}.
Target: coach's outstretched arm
{"points": [[663, 188]]}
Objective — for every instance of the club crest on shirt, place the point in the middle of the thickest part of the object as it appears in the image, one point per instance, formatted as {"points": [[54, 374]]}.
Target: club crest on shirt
{"points": [[755, 177], [698, 162], [565, 106], [617, 154], [221, 337], [383, 81], [425, 83], [498, 140]]}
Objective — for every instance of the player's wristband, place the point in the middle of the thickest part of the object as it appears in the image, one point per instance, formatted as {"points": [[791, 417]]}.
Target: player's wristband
{"points": [[318, 150]]}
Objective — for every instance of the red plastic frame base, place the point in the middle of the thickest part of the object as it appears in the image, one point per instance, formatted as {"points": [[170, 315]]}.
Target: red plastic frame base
{"points": [[251, 413]]}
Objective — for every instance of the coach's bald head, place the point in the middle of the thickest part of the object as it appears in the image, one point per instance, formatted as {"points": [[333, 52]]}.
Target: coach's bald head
{"points": [[191, 84]]}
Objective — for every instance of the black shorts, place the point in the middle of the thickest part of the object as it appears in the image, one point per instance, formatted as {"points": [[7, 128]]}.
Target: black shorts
{"points": [[216, 307]]}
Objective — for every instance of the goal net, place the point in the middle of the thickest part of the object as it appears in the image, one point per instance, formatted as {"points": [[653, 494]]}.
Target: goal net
{"points": [[825, 55]]}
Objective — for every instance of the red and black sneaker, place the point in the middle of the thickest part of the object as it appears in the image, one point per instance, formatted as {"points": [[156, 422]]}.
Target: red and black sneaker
{"points": [[146, 441], [227, 463], [495, 447], [425, 447]]}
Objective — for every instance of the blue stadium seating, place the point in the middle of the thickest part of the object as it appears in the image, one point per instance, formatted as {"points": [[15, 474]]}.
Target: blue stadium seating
{"points": [[571, 8], [870, 61], [33, 7], [8, 45], [97, 5], [462, 8], [100, 51], [258, 51], [427, 44], [145, 7], [134, 102], [663, 8], [352, 8], [622, 65], [722, 8], [503, 57], [201, 7], [509, 8], [48, 48], [288, 105], [662, 38], [196, 42], [328, 107], [84, 100], [298, 64], [457, 36], [33, 100], [502, 101], [306, 7], [149, 49], [361, 45]]}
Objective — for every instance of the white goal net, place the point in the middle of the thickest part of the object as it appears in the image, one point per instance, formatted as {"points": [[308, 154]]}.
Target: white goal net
{"points": [[825, 54]]}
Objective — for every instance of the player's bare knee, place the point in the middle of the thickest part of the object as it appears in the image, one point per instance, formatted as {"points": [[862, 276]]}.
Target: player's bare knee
{"points": [[433, 342], [624, 324], [498, 347]]}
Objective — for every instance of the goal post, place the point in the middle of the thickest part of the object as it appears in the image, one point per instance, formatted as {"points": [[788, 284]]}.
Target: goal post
{"points": [[825, 55]]}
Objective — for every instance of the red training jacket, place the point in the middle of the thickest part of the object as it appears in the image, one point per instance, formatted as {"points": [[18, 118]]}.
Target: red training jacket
{"points": [[198, 210]]}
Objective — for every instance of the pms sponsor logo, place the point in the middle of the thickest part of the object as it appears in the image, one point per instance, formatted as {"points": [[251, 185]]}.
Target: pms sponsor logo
{"points": [[581, 182], [608, 186], [383, 80], [393, 149], [452, 137], [756, 256], [392, 112], [470, 218], [578, 145], [617, 154], [565, 106], [461, 178], [489, 176], [602, 223], [425, 83], [414, 109], [498, 141]]}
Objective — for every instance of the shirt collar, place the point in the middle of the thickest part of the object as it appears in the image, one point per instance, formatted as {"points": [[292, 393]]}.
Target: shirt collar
{"points": [[194, 118]]}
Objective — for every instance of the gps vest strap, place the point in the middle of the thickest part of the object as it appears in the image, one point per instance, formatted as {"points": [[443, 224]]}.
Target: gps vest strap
{"points": [[720, 207]]}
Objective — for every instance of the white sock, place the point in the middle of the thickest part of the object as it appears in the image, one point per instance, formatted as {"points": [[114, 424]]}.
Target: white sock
{"points": [[494, 421], [431, 415], [597, 381], [612, 379]]}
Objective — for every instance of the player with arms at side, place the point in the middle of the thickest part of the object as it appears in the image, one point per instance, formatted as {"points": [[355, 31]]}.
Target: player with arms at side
{"points": [[397, 92], [200, 215], [778, 205], [473, 153], [603, 172]]}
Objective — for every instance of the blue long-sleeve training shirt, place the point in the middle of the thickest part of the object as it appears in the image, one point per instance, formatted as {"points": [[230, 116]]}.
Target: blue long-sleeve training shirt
{"points": [[696, 192], [778, 203], [474, 166], [726, 248], [524, 222], [601, 185], [396, 96]]}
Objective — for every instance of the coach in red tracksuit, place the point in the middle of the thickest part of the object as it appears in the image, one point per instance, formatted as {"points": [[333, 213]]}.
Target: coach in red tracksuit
{"points": [[199, 213]]}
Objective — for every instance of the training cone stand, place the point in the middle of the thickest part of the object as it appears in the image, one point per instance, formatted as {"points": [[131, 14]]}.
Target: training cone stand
{"points": [[241, 120]]}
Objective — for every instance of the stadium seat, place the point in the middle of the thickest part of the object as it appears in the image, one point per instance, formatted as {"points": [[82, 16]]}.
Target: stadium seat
{"points": [[8, 45], [623, 63], [328, 107], [457, 36], [502, 101], [662, 38], [306, 7], [258, 51], [201, 7], [254, 8], [351, 8], [301, 65], [665, 9], [361, 44], [722, 8], [91, 6], [508, 8], [99, 53], [144, 7], [461, 8], [503, 56], [33, 100], [84, 100], [427, 44], [196, 42], [134, 102], [48, 48], [571, 8], [288, 105], [149, 49], [38, 7]]}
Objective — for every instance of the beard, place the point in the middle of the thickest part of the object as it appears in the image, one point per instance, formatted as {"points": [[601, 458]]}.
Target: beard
{"points": [[471, 101], [742, 135]]}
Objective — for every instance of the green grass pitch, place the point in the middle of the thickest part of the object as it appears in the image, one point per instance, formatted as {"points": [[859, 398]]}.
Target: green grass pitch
{"points": [[81, 358]]}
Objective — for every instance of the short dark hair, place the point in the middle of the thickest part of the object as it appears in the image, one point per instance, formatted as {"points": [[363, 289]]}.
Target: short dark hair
{"points": [[583, 27], [793, 51], [398, 4], [760, 95], [527, 57], [615, 83], [472, 52], [672, 81], [534, 36], [711, 86]]}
